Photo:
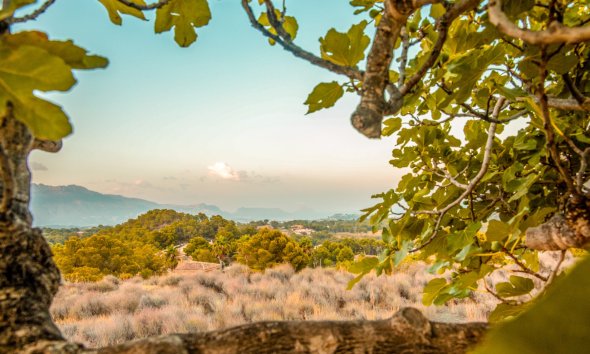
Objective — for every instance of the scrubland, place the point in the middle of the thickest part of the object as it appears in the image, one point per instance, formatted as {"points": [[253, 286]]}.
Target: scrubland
{"points": [[113, 311]]}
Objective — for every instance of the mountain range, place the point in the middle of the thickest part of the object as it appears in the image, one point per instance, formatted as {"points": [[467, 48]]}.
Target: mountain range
{"points": [[76, 206]]}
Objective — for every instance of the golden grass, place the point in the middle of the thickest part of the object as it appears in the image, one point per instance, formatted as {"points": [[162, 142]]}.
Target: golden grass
{"points": [[113, 311]]}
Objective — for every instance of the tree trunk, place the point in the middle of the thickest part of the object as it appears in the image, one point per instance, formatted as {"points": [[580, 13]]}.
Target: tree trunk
{"points": [[28, 276]]}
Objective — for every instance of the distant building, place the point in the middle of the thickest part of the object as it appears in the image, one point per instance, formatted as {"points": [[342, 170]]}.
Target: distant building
{"points": [[301, 230]]}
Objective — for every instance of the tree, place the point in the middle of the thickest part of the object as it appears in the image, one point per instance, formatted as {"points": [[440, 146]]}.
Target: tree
{"points": [[268, 248], [471, 204]]}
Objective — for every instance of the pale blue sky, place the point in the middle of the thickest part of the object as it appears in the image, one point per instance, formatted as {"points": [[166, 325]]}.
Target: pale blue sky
{"points": [[221, 122]]}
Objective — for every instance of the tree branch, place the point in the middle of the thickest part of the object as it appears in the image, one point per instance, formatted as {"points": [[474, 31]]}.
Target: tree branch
{"points": [[442, 27], [473, 184], [147, 7], [33, 15], [297, 51], [403, 56], [555, 32], [368, 116], [47, 145], [274, 22], [408, 331], [574, 89]]}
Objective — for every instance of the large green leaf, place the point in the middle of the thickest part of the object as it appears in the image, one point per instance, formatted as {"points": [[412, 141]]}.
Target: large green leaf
{"points": [[557, 323], [116, 8], [516, 287], [30, 62], [324, 95], [432, 290], [346, 49], [74, 56], [184, 16]]}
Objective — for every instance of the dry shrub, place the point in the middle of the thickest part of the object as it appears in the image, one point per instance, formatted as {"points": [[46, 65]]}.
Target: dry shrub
{"points": [[198, 301]]}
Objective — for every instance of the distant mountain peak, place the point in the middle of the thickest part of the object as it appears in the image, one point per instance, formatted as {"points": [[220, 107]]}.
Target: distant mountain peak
{"points": [[74, 205]]}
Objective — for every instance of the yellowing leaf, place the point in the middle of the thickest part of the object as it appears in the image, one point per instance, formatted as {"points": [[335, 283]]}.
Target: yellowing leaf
{"points": [[184, 16], [30, 62], [346, 49], [13, 6], [115, 9], [74, 56], [324, 95]]}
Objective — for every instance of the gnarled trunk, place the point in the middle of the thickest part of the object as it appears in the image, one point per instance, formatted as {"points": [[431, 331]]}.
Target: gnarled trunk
{"points": [[28, 276]]}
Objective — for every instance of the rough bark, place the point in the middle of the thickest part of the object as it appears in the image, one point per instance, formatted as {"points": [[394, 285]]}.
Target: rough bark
{"points": [[368, 115], [28, 277], [406, 332], [561, 232]]}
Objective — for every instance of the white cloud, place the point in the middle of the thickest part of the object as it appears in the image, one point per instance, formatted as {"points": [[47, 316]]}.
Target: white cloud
{"points": [[224, 171]]}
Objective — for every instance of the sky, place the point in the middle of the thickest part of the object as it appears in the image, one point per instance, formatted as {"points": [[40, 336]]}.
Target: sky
{"points": [[222, 122]]}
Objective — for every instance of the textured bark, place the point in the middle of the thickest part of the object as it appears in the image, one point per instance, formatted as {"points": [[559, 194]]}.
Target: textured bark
{"points": [[368, 116], [406, 332], [28, 277], [562, 232]]}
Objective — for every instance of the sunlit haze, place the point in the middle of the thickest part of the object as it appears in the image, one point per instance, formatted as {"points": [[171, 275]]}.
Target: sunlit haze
{"points": [[222, 122]]}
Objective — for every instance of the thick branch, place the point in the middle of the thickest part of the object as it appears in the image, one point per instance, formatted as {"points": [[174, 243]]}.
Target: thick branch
{"points": [[442, 27], [297, 51], [47, 145], [555, 33], [368, 116], [568, 104]]}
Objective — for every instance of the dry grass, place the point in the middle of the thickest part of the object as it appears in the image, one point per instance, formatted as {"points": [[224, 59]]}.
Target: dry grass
{"points": [[113, 311]]}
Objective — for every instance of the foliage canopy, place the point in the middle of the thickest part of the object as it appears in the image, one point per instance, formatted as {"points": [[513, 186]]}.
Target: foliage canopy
{"points": [[487, 102]]}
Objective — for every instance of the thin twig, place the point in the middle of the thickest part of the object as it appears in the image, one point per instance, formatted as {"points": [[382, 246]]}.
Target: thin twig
{"points": [[524, 268], [557, 267], [147, 7], [297, 51], [474, 182], [33, 15]]}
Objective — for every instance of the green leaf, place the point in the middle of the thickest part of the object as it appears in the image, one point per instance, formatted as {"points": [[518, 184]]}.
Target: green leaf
{"points": [[497, 230], [30, 62], [556, 323], [115, 9], [562, 63], [184, 16], [505, 311], [437, 10], [24, 69], [402, 253], [324, 95], [74, 56], [515, 8], [365, 265], [291, 26], [391, 126], [516, 287], [432, 289], [346, 49]]}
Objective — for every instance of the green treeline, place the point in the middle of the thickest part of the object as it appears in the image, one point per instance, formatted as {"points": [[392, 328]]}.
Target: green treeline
{"points": [[148, 245]]}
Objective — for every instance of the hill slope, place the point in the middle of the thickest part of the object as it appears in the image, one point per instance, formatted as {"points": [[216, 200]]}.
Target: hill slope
{"points": [[77, 206]]}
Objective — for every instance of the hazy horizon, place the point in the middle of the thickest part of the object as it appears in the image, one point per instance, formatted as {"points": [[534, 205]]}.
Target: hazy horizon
{"points": [[222, 122]]}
